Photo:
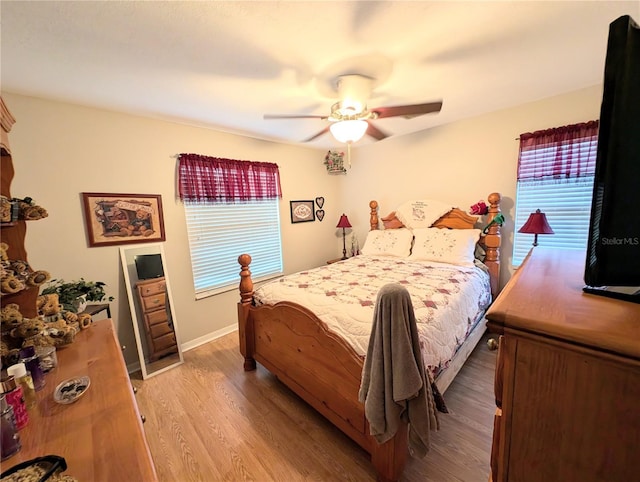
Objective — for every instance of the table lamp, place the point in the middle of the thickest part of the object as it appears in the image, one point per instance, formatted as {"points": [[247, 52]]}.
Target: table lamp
{"points": [[344, 223], [536, 224]]}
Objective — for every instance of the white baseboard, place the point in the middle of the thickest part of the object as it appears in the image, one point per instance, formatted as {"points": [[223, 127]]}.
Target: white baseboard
{"points": [[190, 345]]}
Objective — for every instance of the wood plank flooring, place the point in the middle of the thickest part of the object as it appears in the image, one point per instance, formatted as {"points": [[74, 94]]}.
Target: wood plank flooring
{"points": [[208, 420]]}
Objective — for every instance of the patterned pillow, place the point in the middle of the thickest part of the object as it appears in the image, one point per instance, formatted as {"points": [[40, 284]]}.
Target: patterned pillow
{"points": [[421, 214], [388, 242], [453, 246]]}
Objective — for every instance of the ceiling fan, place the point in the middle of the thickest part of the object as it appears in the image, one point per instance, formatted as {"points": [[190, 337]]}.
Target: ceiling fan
{"points": [[350, 117]]}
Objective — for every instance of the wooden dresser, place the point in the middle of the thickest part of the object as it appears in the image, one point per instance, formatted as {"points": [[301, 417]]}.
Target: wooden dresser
{"points": [[100, 435], [568, 377], [161, 338]]}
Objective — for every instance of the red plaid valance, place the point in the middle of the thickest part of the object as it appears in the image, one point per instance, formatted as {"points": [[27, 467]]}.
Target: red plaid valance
{"points": [[212, 179], [558, 153]]}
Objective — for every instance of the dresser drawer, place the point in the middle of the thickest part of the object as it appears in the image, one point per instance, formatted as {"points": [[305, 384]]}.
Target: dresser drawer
{"points": [[164, 341], [150, 289], [160, 329], [154, 302], [155, 317]]}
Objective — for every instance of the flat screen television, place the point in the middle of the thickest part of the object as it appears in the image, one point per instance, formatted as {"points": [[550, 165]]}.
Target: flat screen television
{"points": [[613, 253], [149, 266]]}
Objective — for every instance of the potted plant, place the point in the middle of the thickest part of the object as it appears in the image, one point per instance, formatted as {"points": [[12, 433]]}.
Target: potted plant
{"points": [[74, 295]]}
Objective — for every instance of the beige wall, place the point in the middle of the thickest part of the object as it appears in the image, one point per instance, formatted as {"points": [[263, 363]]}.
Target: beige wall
{"points": [[61, 150], [460, 162]]}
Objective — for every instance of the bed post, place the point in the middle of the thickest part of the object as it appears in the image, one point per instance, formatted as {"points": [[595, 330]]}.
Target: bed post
{"points": [[390, 458], [492, 244], [245, 326], [373, 215]]}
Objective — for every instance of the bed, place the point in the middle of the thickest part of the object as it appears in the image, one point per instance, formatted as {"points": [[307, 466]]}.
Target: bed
{"points": [[323, 364]]}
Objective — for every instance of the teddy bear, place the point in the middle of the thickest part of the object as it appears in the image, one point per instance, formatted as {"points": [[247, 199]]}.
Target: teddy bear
{"points": [[55, 316], [10, 356], [49, 307], [16, 275], [29, 211], [9, 282], [54, 333], [5, 209], [27, 329], [10, 316], [141, 224]]}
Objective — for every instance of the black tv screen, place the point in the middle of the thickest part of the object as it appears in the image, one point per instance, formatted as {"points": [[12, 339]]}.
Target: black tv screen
{"points": [[149, 266], [613, 252]]}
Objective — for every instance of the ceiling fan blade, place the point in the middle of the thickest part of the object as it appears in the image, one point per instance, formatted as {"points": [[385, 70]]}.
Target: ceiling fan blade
{"points": [[408, 111], [323, 131], [277, 116], [376, 133]]}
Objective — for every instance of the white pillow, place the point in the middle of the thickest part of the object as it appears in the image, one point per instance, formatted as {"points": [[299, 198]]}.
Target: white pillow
{"points": [[453, 246], [388, 242], [421, 213]]}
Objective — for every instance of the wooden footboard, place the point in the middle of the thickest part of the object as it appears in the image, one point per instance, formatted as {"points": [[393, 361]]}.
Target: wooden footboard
{"points": [[296, 346]]}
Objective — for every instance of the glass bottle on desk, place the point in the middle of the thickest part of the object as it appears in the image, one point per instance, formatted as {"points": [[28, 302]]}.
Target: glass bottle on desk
{"points": [[23, 378], [14, 397], [32, 362], [10, 437]]}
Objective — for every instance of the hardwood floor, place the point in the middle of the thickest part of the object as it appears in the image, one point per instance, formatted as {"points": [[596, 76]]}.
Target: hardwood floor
{"points": [[208, 420]]}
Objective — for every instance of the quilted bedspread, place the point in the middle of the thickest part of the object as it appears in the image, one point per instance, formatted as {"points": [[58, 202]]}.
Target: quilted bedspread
{"points": [[447, 299]]}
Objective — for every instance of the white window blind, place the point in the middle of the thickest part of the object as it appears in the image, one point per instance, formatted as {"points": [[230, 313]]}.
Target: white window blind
{"points": [[219, 233], [564, 198], [567, 205]]}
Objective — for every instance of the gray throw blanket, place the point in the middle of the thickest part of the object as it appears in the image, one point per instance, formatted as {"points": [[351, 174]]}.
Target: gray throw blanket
{"points": [[394, 385]]}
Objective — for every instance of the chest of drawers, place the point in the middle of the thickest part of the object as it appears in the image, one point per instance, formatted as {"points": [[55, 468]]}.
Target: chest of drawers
{"points": [[158, 326], [568, 377]]}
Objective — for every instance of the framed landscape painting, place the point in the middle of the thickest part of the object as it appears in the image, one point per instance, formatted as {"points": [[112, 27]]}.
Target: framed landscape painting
{"points": [[123, 218]]}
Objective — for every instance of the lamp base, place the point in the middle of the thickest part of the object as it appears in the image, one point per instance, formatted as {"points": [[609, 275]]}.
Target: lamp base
{"points": [[344, 245]]}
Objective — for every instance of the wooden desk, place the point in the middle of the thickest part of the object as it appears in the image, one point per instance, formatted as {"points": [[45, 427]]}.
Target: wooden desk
{"points": [[100, 435], [567, 377]]}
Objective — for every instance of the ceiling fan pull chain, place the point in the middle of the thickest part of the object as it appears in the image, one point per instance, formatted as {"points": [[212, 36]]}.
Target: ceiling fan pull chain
{"points": [[349, 154]]}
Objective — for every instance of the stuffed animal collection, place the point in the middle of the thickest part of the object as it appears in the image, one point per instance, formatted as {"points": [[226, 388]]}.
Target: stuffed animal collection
{"points": [[25, 209], [52, 327], [17, 275]]}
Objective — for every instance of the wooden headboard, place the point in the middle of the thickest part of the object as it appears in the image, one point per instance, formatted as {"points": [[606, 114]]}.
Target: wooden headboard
{"points": [[458, 219]]}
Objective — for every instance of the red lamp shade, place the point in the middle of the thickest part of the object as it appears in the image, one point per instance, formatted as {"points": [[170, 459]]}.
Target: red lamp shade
{"points": [[536, 224], [343, 222]]}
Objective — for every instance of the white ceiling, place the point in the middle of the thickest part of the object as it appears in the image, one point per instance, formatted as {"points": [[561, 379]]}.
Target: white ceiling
{"points": [[224, 64]]}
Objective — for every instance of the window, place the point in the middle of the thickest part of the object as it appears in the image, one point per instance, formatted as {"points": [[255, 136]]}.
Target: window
{"points": [[231, 207], [556, 169]]}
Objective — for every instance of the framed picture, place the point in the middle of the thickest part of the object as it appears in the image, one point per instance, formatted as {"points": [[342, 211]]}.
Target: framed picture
{"points": [[302, 211], [123, 218]]}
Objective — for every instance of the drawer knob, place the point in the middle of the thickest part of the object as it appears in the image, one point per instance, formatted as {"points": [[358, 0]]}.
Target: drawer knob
{"points": [[143, 418], [123, 347], [135, 390]]}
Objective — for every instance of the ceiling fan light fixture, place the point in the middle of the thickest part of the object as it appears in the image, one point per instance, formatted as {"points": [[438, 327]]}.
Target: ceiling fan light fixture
{"points": [[348, 131], [351, 107]]}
